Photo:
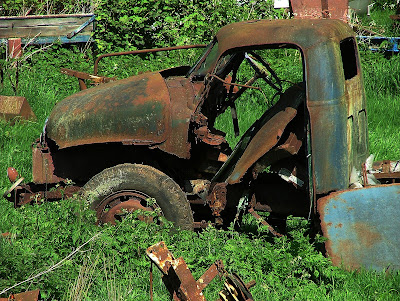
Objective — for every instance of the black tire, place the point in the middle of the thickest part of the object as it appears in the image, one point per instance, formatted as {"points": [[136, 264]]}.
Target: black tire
{"points": [[143, 180]]}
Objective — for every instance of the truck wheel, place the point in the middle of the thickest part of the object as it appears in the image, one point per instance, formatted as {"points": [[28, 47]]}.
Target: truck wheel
{"points": [[128, 187]]}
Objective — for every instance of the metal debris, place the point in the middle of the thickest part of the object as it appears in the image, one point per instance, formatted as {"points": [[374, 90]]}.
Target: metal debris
{"points": [[25, 296], [14, 107], [81, 76], [181, 284], [361, 227]]}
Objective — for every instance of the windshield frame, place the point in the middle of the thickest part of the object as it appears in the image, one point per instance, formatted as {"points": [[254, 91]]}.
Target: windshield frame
{"points": [[192, 73]]}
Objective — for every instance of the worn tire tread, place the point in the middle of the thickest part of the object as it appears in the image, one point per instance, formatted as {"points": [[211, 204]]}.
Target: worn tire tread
{"points": [[167, 193]]}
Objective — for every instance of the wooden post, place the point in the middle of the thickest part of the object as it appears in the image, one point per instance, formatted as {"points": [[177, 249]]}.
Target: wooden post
{"points": [[14, 48]]}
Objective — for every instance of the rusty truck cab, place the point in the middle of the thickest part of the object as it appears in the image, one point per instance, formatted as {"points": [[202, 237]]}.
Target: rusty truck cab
{"points": [[334, 122]]}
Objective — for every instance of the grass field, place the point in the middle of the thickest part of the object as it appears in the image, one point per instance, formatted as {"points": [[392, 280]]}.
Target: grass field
{"points": [[113, 265]]}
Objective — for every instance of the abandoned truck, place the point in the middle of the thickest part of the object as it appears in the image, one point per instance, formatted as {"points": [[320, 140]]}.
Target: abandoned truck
{"points": [[153, 136]]}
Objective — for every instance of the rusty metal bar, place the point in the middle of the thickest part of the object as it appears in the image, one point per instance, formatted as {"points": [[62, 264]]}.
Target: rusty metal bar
{"points": [[151, 280], [176, 274], [143, 51], [262, 221], [83, 75], [210, 274], [235, 84]]}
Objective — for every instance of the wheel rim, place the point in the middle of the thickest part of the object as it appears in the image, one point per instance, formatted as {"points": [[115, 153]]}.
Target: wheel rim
{"points": [[117, 205]]}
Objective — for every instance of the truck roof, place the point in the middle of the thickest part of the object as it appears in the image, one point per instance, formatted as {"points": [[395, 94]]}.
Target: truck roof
{"points": [[301, 32]]}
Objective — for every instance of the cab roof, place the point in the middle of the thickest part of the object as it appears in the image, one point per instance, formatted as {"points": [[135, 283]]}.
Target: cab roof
{"points": [[304, 33]]}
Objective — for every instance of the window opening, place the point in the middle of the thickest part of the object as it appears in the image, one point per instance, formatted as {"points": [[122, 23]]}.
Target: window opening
{"points": [[349, 58]]}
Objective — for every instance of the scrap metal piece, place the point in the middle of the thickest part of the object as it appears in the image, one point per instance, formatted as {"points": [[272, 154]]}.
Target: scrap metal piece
{"points": [[176, 275], [13, 186], [42, 164], [21, 194], [13, 107], [217, 198], [386, 170], [25, 296], [86, 76], [236, 290], [360, 227]]}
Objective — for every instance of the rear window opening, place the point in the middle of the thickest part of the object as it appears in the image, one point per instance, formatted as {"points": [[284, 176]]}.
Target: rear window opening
{"points": [[349, 58]]}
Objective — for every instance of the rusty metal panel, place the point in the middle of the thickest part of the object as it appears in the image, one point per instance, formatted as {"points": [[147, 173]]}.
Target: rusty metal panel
{"points": [[135, 110], [336, 140], [320, 9], [362, 227], [25, 296], [12, 107], [329, 147], [302, 33], [261, 138], [177, 276], [182, 95], [42, 165]]}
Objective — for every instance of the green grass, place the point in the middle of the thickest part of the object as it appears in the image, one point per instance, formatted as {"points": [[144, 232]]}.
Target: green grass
{"points": [[114, 266], [382, 80], [284, 268]]}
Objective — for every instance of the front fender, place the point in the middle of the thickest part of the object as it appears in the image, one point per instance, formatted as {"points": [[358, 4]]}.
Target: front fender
{"points": [[135, 110]]}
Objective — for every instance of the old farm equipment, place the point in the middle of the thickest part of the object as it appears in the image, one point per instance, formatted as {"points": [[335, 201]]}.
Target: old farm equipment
{"points": [[154, 136]]}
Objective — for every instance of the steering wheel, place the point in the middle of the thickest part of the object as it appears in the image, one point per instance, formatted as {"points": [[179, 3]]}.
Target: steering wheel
{"points": [[262, 69]]}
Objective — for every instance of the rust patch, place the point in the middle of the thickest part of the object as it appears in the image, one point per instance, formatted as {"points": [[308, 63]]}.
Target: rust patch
{"points": [[347, 259], [182, 94], [42, 165], [366, 236]]}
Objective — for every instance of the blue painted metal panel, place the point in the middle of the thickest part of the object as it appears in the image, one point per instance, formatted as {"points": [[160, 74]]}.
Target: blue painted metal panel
{"points": [[375, 43], [328, 116], [363, 227], [63, 40], [49, 40]]}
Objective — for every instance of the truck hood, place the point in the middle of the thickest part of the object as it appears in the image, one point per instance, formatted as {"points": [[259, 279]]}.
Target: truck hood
{"points": [[135, 110]]}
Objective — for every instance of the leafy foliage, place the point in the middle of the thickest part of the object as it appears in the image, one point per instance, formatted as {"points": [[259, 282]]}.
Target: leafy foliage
{"points": [[132, 24]]}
